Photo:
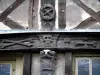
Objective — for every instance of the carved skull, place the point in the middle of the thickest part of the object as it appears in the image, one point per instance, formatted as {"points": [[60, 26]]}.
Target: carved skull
{"points": [[47, 39]]}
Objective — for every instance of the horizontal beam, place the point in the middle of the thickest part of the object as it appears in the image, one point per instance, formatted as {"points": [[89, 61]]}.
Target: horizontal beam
{"points": [[73, 31], [57, 41]]}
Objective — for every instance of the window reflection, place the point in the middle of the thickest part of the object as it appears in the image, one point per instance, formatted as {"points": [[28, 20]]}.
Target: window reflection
{"points": [[5, 69], [96, 67], [83, 67], [88, 66]]}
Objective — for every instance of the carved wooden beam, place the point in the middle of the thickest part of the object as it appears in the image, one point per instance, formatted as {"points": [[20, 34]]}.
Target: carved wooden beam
{"points": [[47, 61], [10, 9], [87, 9], [53, 41]]}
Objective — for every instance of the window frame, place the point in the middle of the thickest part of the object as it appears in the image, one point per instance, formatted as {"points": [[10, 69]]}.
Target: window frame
{"points": [[83, 55]]}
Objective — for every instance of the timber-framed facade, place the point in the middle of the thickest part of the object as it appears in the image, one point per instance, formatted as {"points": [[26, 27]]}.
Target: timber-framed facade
{"points": [[57, 51]]}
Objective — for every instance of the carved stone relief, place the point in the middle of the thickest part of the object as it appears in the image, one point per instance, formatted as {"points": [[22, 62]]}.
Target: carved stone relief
{"points": [[48, 14], [47, 62], [50, 41], [9, 43]]}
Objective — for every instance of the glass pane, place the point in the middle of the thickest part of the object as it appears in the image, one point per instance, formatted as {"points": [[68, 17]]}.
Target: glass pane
{"points": [[96, 67], [83, 67], [4, 69]]}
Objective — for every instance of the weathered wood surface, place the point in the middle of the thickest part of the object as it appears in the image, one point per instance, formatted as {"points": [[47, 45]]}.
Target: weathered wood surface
{"points": [[47, 62], [54, 41], [10, 9], [87, 9], [62, 14], [68, 63], [88, 22], [95, 16], [12, 24], [48, 15], [30, 12], [27, 64]]}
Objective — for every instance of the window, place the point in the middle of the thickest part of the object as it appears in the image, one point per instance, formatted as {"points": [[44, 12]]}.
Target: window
{"points": [[87, 66], [5, 69], [11, 64]]}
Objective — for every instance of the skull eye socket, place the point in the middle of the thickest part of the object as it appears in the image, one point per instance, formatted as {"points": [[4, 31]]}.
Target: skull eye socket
{"points": [[49, 37], [46, 37]]}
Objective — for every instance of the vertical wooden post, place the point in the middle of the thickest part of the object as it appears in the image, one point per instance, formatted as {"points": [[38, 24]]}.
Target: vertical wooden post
{"points": [[30, 12], [27, 64], [33, 14], [62, 14], [68, 63]]}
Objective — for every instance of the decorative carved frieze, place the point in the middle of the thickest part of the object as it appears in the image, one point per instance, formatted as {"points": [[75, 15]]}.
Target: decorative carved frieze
{"points": [[5, 43], [49, 41], [81, 42], [47, 62]]}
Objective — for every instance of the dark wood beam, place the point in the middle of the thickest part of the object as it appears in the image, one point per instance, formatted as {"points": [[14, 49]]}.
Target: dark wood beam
{"points": [[57, 41], [10, 9], [68, 63], [62, 14], [12, 24], [33, 14], [86, 23], [27, 64], [87, 9], [30, 12]]}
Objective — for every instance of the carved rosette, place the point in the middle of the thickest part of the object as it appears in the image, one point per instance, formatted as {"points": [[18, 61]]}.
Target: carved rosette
{"points": [[47, 12], [47, 62]]}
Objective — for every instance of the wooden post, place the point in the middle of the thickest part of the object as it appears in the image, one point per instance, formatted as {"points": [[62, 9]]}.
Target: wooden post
{"points": [[33, 14], [27, 64], [68, 63], [62, 14]]}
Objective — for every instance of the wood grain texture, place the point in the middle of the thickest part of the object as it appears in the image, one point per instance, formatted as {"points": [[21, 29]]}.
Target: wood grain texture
{"points": [[27, 64], [87, 9], [62, 14], [68, 63], [30, 13], [10, 9]]}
